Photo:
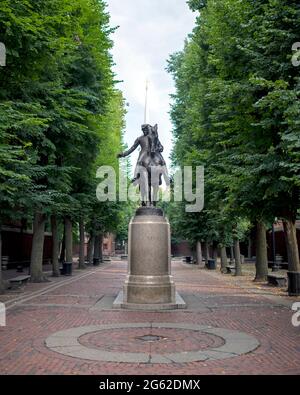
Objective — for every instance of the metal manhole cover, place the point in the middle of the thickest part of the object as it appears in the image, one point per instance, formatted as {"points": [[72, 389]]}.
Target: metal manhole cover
{"points": [[150, 338]]}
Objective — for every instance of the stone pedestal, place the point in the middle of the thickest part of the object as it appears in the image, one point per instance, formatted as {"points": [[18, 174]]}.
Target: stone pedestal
{"points": [[149, 284]]}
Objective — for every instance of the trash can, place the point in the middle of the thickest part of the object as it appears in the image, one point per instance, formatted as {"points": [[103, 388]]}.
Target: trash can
{"points": [[67, 268], [211, 264], [96, 261], [188, 259], [294, 283]]}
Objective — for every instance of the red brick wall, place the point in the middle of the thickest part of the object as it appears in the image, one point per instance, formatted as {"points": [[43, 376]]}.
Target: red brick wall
{"points": [[279, 243], [181, 249], [17, 246]]}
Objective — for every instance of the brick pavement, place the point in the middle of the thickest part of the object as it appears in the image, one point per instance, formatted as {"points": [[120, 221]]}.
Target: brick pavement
{"points": [[86, 298]]}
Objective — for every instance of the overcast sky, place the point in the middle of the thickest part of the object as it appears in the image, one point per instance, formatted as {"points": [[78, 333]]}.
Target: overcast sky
{"points": [[150, 30]]}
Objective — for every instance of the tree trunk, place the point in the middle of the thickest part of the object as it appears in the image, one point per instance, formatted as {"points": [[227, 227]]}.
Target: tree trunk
{"points": [[81, 244], [224, 261], [215, 251], [261, 263], [237, 256], [97, 247], [36, 260], [291, 245], [62, 257], [55, 247], [90, 251], [206, 252], [232, 255], [101, 248], [199, 253], [68, 240], [288, 251]]}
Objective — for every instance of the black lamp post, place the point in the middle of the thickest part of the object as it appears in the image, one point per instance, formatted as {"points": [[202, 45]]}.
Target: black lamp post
{"points": [[275, 267]]}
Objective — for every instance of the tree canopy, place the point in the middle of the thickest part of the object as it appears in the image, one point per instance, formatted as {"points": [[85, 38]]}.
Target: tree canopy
{"points": [[60, 111]]}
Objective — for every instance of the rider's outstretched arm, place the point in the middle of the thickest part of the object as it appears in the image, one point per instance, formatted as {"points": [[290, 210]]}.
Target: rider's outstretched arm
{"points": [[134, 147]]}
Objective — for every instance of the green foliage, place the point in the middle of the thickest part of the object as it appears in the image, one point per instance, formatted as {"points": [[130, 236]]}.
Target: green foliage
{"points": [[196, 5], [60, 114], [236, 111]]}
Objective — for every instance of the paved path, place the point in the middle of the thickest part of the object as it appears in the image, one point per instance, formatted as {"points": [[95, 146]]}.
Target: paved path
{"points": [[68, 326]]}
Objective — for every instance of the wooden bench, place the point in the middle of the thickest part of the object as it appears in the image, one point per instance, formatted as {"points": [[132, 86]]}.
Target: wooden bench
{"points": [[19, 280], [277, 280]]}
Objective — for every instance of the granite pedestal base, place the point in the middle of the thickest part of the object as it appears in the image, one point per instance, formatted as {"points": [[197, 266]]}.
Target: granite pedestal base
{"points": [[149, 284]]}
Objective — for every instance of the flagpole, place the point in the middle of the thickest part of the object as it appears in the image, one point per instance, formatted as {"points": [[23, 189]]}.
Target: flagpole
{"points": [[146, 103]]}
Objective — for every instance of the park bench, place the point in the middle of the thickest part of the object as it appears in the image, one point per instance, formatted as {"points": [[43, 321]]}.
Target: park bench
{"points": [[230, 269], [277, 280], [19, 280], [124, 257]]}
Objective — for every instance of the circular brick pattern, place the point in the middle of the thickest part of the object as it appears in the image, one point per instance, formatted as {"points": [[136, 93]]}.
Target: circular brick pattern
{"points": [[176, 343], [154, 340]]}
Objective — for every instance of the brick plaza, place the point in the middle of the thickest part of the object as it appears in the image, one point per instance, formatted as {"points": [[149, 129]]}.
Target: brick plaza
{"points": [[41, 311]]}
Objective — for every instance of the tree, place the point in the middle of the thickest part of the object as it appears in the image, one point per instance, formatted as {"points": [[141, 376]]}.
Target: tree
{"points": [[56, 92], [235, 111]]}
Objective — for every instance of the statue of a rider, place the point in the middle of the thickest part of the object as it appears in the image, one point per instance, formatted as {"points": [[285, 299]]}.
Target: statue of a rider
{"points": [[150, 166]]}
